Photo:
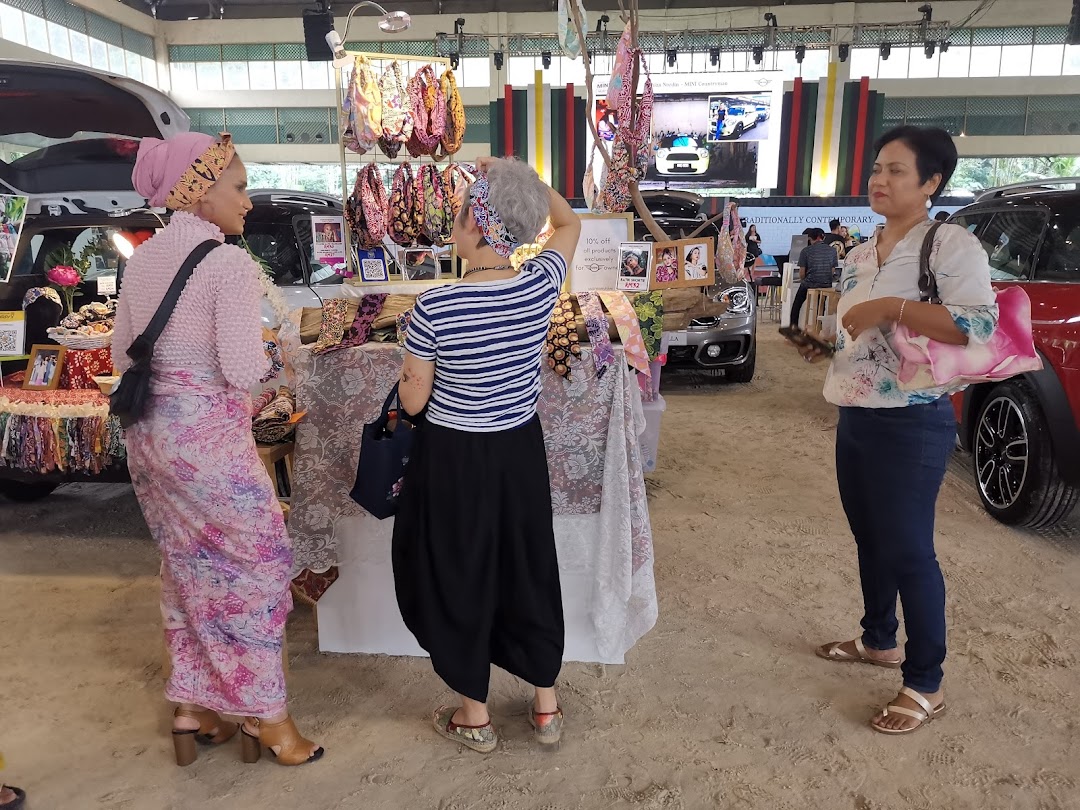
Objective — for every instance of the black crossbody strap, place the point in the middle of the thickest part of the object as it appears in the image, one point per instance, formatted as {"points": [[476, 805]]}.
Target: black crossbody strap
{"points": [[165, 310], [928, 289]]}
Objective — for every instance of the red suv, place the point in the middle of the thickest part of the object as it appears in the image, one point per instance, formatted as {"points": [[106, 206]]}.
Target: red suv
{"points": [[1024, 434]]}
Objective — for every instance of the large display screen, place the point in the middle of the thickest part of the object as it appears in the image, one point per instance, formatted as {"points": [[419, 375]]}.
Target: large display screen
{"points": [[708, 131]]}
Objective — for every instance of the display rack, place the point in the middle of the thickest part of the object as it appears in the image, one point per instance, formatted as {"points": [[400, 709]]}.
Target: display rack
{"points": [[340, 89]]}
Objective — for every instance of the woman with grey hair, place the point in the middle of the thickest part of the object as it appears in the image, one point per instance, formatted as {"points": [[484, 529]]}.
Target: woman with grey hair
{"points": [[474, 557]]}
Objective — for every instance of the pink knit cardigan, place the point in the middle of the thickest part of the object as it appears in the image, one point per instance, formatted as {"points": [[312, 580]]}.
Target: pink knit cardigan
{"points": [[217, 322]]}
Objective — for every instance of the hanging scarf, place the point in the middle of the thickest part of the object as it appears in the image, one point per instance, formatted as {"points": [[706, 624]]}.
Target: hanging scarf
{"points": [[596, 324], [615, 180], [568, 39], [626, 321], [366, 208], [456, 180], [649, 307]]}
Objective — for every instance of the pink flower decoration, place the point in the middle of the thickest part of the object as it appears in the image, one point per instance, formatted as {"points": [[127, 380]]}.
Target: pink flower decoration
{"points": [[64, 276]]}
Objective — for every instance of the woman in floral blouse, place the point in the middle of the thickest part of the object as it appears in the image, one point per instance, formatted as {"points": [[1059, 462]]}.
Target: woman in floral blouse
{"points": [[892, 445]]}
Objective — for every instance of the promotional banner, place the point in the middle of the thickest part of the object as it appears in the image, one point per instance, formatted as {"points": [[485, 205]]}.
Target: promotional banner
{"points": [[719, 130], [596, 261], [328, 242]]}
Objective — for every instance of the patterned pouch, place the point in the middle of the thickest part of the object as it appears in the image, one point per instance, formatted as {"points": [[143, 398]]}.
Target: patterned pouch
{"points": [[348, 109], [454, 132], [337, 314], [366, 208], [568, 40], [397, 115], [429, 112], [438, 209], [402, 226], [630, 148], [367, 105], [456, 179]]}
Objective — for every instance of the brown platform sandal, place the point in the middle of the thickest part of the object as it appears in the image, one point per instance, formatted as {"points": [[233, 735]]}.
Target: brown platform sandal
{"points": [[292, 746], [212, 730]]}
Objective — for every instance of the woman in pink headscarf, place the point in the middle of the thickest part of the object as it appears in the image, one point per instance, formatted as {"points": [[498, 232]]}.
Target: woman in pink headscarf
{"points": [[205, 494]]}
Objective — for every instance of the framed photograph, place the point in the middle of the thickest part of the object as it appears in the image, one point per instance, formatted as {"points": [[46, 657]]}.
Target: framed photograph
{"points": [[43, 370], [667, 259], [371, 266], [698, 267], [419, 264], [635, 262]]}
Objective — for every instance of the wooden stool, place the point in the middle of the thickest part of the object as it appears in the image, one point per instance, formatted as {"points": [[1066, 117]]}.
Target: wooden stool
{"points": [[271, 455], [819, 304]]}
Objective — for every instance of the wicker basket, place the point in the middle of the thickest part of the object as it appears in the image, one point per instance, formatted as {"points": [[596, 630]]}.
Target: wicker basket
{"points": [[74, 340]]}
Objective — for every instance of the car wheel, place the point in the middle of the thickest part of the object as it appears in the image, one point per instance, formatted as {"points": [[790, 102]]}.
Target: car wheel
{"points": [[744, 372], [1013, 461], [21, 492], [739, 129]]}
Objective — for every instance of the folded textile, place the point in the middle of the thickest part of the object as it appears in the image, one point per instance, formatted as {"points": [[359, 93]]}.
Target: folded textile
{"points": [[334, 314], [273, 423], [649, 307], [393, 306], [360, 331]]}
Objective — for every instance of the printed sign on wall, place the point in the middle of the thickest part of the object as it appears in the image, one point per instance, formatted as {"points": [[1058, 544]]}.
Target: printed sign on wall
{"points": [[596, 260]]}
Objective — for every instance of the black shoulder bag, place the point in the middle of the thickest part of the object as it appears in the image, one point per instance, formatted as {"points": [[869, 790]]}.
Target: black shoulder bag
{"points": [[128, 397]]}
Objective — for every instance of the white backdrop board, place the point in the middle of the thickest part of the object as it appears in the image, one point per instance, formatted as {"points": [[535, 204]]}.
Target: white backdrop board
{"points": [[596, 261]]}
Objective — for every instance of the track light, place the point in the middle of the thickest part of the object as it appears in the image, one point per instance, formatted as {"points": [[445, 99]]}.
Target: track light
{"points": [[601, 24], [672, 56], [927, 12], [885, 50], [455, 60], [499, 56], [843, 50], [800, 53], [459, 25], [759, 54], [930, 48], [714, 56], [945, 45], [770, 30], [545, 59]]}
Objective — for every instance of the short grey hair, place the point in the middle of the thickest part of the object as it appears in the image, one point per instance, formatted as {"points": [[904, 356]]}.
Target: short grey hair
{"points": [[520, 198]]}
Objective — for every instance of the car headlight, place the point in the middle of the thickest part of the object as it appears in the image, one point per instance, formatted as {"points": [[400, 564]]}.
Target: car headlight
{"points": [[663, 153], [738, 299], [702, 153]]}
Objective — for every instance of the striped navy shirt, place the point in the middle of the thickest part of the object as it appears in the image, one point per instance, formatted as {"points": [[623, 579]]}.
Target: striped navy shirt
{"points": [[487, 341]]}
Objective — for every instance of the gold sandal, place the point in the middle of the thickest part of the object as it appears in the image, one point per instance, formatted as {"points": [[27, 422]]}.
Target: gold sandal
{"points": [[292, 746], [926, 713], [212, 730]]}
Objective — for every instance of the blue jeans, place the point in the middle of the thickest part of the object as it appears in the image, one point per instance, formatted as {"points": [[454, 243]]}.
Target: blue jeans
{"points": [[890, 463]]}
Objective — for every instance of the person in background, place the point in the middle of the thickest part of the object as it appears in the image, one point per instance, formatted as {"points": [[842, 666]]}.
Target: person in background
{"points": [[475, 566], [754, 239], [893, 445], [835, 239], [941, 216], [205, 494], [818, 263]]}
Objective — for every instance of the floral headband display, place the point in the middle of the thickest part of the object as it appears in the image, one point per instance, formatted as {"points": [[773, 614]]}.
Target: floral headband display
{"points": [[202, 174], [488, 220]]}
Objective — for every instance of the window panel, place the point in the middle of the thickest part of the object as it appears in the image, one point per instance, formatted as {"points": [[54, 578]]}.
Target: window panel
{"points": [[1072, 61], [955, 63], [573, 71], [117, 59], [315, 76], [80, 48], [1046, 60], [234, 75], [134, 65], [11, 24], [519, 70], [864, 63], [58, 41], [1016, 60], [261, 75], [896, 66], [208, 75], [99, 56], [149, 71], [987, 115], [1010, 241], [37, 34], [1059, 258], [985, 61], [922, 68], [816, 65], [475, 71], [289, 75]]}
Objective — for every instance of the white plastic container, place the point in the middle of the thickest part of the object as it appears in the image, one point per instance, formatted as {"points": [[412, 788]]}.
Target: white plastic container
{"points": [[650, 438]]}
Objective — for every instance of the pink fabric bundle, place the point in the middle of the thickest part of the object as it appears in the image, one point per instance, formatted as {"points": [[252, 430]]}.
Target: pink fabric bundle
{"points": [[160, 164]]}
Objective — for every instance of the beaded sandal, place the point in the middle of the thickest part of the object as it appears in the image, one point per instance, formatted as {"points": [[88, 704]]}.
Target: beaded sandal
{"points": [[479, 738]]}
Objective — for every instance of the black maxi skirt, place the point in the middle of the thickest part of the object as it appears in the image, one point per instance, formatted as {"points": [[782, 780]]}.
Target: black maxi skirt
{"points": [[475, 568]]}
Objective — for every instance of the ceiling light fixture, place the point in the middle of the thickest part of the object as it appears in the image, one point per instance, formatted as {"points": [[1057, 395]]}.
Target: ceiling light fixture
{"points": [[759, 54], [499, 57], [800, 53], [392, 22], [770, 30], [843, 51], [885, 50], [545, 59], [714, 56], [930, 48], [672, 57]]}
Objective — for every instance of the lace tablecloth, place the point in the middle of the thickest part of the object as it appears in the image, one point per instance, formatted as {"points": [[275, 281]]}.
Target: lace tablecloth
{"points": [[591, 428]]}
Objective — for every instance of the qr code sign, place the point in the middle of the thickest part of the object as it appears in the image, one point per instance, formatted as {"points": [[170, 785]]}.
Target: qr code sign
{"points": [[9, 341]]}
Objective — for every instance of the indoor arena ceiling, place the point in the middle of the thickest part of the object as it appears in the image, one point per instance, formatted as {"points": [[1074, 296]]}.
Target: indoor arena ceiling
{"points": [[234, 9]]}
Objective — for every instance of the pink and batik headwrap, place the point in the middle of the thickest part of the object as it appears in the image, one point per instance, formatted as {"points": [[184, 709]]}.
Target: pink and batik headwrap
{"points": [[488, 220], [177, 173]]}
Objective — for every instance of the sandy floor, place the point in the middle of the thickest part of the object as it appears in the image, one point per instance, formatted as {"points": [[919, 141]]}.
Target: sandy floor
{"points": [[723, 705]]}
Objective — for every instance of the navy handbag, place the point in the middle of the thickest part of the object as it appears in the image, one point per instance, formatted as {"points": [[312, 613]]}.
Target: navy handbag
{"points": [[384, 454]]}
